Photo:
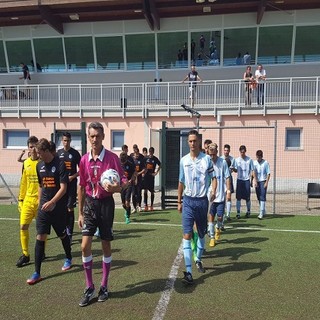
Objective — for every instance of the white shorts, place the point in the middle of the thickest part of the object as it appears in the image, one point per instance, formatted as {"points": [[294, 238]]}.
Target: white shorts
{"points": [[192, 91]]}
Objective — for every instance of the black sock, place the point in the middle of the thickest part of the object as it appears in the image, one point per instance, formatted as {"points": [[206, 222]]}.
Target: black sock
{"points": [[39, 252], [70, 221], [67, 247]]}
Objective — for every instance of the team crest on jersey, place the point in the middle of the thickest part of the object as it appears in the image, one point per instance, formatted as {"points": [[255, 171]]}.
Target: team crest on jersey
{"points": [[70, 156], [53, 170]]}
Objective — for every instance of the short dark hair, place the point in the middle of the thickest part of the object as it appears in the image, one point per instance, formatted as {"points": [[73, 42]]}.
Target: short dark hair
{"points": [[226, 146], [193, 132], [96, 126], [144, 149], [123, 157], [66, 134], [243, 148], [259, 153], [53, 147], [32, 139], [207, 141], [124, 146], [151, 149]]}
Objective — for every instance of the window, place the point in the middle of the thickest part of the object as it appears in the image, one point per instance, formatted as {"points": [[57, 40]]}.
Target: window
{"points": [[117, 139], [19, 51], [168, 46], [293, 139], [79, 52], [140, 49], [275, 45], [49, 54], [239, 41], [205, 48], [3, 65], [109, 53], [15, 139], [307, 44]]}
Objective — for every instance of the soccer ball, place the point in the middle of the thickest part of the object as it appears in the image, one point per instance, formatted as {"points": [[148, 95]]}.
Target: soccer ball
{"points": [[110, 176]]}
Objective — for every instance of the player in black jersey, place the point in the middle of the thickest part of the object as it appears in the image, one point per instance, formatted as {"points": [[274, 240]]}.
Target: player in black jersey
{"points": [[71, 158], [53, 180]]}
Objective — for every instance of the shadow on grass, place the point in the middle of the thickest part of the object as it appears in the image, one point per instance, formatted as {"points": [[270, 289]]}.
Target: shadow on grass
{"points": [[241, 266], [148, 286], [131, 233], [233, 253], [253, 240]]}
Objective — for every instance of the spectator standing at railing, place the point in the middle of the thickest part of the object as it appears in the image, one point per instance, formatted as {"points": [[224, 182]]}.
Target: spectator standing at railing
{"points": [[193, 77], [26, 78], [248, 79], [260, 76]]}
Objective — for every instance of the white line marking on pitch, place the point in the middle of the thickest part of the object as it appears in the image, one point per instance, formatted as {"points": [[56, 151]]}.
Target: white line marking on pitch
{"points": [[163, 303], [179, 226]]}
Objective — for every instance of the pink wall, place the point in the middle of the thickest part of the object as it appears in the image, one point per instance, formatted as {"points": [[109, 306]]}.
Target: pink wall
{"points": [[291, 163]]}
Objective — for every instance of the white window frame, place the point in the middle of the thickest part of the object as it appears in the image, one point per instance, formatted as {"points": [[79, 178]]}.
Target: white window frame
{"points": [[116, 147], [5, 138], [288, 130]]}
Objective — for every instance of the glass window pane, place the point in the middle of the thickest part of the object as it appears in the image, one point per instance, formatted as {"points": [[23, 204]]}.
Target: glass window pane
{"points": [[79, 52], [307, 44], [49, 54], [3, 66], [206, 48], [16, 138], [237, 42], [109, 53], [275, 45], [140, 49], [168, 46], [293, 138], [117, 139], [19, 51]]}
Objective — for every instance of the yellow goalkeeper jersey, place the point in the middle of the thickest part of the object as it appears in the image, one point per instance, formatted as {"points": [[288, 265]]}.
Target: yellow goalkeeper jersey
{"points": [[29, 184]]}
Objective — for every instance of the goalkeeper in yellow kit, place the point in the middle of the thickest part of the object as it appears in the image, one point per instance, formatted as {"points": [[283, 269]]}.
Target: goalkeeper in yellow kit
{"points": [[28, 199]]}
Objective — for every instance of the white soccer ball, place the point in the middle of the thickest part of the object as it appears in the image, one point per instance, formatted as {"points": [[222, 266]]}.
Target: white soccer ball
{"points": [[110, 176]]}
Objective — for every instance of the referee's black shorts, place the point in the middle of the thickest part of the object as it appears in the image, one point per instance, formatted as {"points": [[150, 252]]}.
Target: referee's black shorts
{"points": [[98, 213]]}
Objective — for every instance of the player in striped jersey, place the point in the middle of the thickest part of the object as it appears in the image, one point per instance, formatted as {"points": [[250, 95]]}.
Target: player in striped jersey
{"points": [[244, 169], [196, 174], [230, 161], [223, 184], [262, 173]]}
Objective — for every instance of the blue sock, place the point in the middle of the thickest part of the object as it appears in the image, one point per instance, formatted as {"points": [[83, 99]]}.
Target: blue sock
{"points": [[238, 206], [200, 247], [248, 206], [187, 253], [211, 229]]}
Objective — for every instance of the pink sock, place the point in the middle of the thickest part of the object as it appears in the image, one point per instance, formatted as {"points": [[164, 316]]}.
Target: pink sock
{"points": [[88, 273], [106, 265]]}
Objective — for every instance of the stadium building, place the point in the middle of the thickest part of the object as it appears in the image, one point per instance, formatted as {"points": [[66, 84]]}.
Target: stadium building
{"points": [[122, 63]]}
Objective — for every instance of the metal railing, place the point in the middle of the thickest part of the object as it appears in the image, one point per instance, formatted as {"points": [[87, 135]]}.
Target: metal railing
{"points": [[281, 95]]}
